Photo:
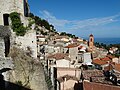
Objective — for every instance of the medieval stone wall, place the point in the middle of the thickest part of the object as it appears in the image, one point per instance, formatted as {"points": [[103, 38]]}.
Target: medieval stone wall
{"points": [[8, 6]]}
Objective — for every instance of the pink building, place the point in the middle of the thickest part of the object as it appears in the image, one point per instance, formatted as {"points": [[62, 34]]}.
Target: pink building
{"points": [[67, 78]]}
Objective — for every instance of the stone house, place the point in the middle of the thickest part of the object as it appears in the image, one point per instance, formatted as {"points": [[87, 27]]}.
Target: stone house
{"points": [[98, 86], [67, 78], [66, 82], [58, 60], [8, 6], [49, 49], [40, 38], [72, 51], [100, 64], [64, 78]]}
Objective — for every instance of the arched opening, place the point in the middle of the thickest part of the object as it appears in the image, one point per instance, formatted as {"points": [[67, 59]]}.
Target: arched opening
{"points": [[6, 19], [91, 39]]}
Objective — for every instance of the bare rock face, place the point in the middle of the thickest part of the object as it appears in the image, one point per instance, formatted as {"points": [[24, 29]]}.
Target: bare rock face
{"points": [[27, 71]]}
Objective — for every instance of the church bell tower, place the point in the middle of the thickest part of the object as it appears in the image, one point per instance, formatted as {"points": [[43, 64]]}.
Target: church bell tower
{"points": [[91, 42]]}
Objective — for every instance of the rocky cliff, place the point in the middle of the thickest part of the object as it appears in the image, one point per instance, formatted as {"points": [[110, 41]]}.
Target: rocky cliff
{"points": [[27, 71]]}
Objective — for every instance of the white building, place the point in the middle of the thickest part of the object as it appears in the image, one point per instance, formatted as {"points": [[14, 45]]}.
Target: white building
{"points": [[87, 58]]}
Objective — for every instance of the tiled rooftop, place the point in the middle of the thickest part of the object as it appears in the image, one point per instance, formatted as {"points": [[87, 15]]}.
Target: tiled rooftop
{"points": [[99, 62], [72, 45], [59, 56], [95, 76]]}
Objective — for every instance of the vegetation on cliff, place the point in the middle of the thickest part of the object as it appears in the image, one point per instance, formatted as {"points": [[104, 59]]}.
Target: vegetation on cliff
{"points": [[42, 22], [17, 26]]}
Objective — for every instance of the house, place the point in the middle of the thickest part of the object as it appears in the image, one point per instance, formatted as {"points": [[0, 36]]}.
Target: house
{"points": [[62, 38], [97, 80], [72, 50], [100, 64], [98, 86], [67, 78], [40, 38], [58, 60], [49, 49], [66, 82], [89, 74], [59, 48], [87, 58], [113, 50], [82, 48]]}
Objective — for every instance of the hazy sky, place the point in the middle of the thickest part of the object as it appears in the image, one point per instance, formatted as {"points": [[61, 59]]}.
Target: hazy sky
{"points": [[81, 17]]}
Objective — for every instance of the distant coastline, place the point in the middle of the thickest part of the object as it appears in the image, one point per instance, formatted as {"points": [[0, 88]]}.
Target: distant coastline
{"points": [[107, 40]]}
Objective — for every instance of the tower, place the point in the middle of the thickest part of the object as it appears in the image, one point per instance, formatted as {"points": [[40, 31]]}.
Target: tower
{"points": [[9, 6], [91, 41]]}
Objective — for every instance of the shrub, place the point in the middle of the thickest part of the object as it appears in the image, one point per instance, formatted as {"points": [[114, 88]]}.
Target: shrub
{"points": [[17, 26]]}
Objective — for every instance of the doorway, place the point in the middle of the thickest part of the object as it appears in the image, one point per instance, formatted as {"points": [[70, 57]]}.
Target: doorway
{"points": [[6, 19]]}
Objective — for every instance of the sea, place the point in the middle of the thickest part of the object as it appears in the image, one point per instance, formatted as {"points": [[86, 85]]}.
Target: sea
{"points": [[107, 40]]}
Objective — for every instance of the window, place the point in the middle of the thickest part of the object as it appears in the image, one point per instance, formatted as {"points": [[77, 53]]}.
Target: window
{"points": [[91, 40], [76, 57], [6, 19]]}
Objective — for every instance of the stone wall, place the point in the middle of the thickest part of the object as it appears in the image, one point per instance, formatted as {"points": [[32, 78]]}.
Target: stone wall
{"points": [[2, 48], [28, 40], [8, 6]]}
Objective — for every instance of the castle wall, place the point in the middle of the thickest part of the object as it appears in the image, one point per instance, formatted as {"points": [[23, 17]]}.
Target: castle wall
{"points": [[8, 6], [28, 40], [2, 48]]}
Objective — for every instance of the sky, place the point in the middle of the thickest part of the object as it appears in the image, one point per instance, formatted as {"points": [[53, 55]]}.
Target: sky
{"points": [[81, 17]]}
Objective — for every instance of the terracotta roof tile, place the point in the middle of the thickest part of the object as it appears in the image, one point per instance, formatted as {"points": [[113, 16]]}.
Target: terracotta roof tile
{"points": [[72, 45], [99, 62], [59, 56], [106, 59], [92, 73]]}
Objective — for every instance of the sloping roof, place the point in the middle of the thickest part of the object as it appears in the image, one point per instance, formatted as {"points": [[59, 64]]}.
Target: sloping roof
{"points": [[60, 37], [67, 77], [92, 73], [72, 45], [102, 61], [106, 59], [59, 56], [110, 56], [99, 62]]}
